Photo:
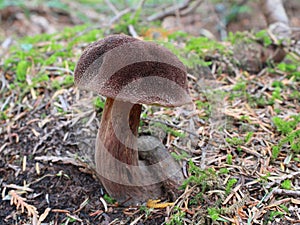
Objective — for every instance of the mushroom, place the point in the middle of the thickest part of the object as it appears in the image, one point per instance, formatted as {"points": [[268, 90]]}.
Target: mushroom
{"points": [[129, 72]]}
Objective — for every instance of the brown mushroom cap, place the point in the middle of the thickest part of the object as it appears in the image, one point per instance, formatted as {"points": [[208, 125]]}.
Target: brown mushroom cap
{"points": [[131, 70]]}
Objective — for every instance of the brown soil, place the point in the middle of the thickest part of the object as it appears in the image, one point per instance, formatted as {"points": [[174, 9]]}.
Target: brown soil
{"points": [[66, 185]]}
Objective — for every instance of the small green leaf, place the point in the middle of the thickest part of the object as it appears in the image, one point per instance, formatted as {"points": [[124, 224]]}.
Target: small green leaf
{"points": [[21, 70], [229, 159], [179, 157], [213, 213], [275, 151], [286, 184], [264, 36], [98, 103], [109, 199], [230, 184]]}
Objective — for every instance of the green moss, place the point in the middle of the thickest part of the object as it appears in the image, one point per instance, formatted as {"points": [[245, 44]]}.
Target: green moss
{"points": [[286, 184]]}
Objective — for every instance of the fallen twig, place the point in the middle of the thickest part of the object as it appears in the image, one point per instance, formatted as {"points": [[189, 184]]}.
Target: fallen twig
{"points": [[280, 191], [170, 10], [54, 68], [64, 160], [112, 7], [172, 125], [284, 177], [132, 31], [119, 15], [44, 138]]}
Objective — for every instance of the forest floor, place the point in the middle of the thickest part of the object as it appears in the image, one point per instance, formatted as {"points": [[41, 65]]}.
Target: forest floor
{"points": [[238, 144]]}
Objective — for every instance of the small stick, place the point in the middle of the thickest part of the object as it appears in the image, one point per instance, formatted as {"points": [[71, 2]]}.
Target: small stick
{"points": [[279, 179], [169, 11], [112, 7], [279, 191], [172, 125], [139, 5], [293, 193], [119, 15], [231, 194], [132, 31], [54, 68]]}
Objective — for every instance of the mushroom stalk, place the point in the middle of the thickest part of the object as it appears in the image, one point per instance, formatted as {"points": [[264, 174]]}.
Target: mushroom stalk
{"points": [[116, 148], [118, 130]]}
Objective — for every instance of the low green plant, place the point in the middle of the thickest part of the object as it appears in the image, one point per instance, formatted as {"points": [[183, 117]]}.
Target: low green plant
{"points": [[206, 180], [170, 130], [62, 174], [108, 199], [177, 35], [276, 94], [285, 208], [235, 11], [176, 217], [275, 151], [33, 58], [213, 213], [146, 210], [57, 4], [293, 140], [291, 136], [239, 37], [229, 159], [202, 45], [229, 185], [264, 178], [239, 90], [98, 103], [286, 127], [21, 70], [89, 36], [295, 95], [264, 37], [129, 19], [286, 184], [240, 86], [223, 171], [277, 83], [181, 156], [206, 106], [202, 178], [236, 141], [248, 137], [3, 116], [277, 110], [70, 220], [275, 214], [245, 118], [290, 69]]}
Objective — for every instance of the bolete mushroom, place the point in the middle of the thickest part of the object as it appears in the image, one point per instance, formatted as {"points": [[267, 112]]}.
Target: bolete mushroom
{"points": [[129, 72]]}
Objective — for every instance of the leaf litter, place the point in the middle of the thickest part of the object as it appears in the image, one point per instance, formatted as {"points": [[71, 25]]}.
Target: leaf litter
{"points": [[227, 150]]}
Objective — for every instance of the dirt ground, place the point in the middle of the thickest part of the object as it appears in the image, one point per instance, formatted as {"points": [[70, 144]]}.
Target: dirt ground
{"points": [[62, 184]]}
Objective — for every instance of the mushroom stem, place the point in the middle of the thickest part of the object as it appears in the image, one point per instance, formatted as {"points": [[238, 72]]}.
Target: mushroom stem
{"points": [[118, 130], [116, 153], [124, 177]]}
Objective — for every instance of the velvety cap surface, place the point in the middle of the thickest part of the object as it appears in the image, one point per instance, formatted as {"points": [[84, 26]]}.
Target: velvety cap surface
{"points": [[131, 70]]}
